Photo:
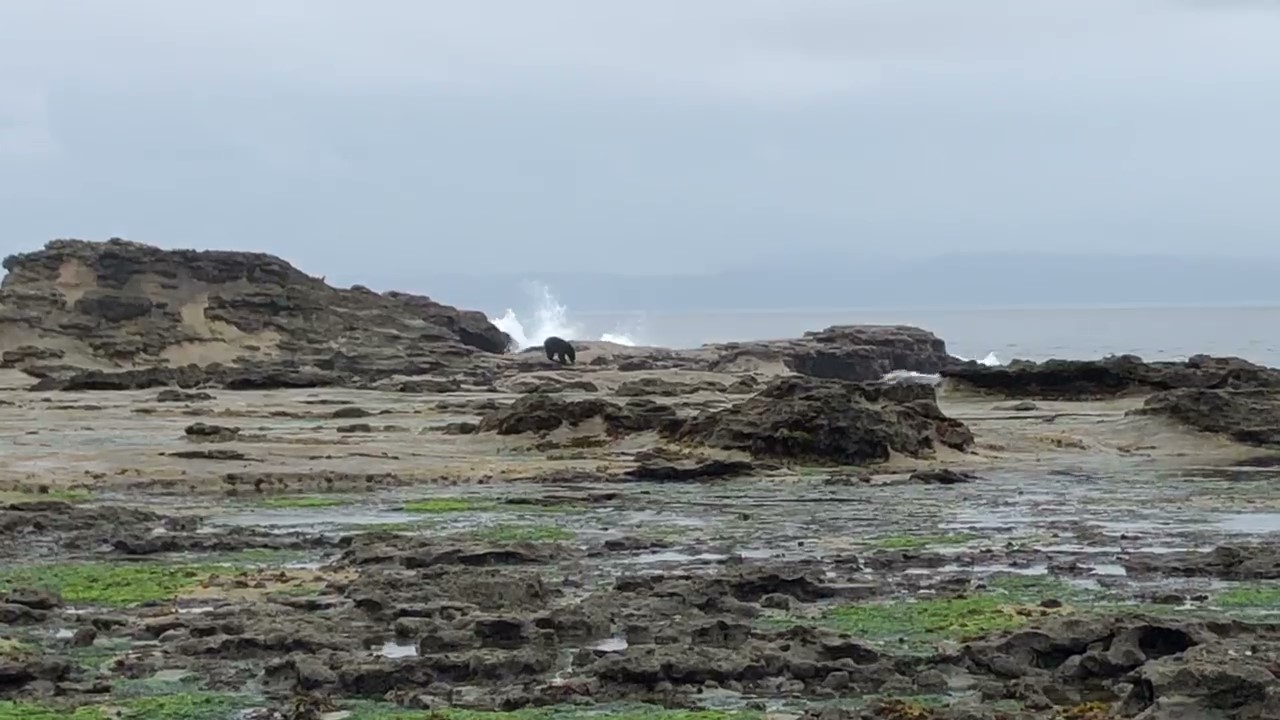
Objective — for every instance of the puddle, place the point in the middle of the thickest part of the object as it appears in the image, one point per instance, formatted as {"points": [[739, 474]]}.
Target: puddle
{"points": [[991, 569], [1096, 549], [393, 649], [313, 518], [1250, 523], [675, 557], [614, 644], [195, 610]]}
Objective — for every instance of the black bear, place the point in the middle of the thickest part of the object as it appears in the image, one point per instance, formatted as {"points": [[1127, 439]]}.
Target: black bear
{"points": [[558, 350]]}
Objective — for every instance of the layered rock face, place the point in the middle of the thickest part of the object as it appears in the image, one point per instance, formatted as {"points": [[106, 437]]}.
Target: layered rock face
{"points": [[119, 304]]}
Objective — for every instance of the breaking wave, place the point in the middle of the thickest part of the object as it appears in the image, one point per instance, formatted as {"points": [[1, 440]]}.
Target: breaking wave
{"points": [[548, 317], [910, 377], [990, 360]]}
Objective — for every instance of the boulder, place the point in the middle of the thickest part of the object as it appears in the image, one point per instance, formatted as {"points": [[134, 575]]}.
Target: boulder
{"points": [[942, 476], [1220, 680], [1110, 377], [125, 305], [687, 470], [831, 421]]}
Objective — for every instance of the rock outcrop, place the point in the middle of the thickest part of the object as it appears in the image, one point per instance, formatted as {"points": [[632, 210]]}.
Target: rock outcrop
{"points": [[844, 352], [541, 413], [1110, 377], [1250, 416], [123, 305], [831, 421]]}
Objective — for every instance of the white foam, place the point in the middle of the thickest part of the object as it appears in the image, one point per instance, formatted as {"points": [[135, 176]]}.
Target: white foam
{"points": [[549, 318], [990, 360], [911, 377]]}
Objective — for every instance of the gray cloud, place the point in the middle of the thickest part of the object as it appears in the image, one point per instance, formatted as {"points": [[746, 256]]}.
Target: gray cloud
{"points": [[650, 136]]}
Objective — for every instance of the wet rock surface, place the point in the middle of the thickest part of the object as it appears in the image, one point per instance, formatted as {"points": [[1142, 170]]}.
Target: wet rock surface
{"points": [[747, 529], [378, 571]]}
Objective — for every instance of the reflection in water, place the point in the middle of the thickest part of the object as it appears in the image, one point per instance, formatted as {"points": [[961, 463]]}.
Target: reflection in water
{"points": [[1252, 523], [393, 649]]}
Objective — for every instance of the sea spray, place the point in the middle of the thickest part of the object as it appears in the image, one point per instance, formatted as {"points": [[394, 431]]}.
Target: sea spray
{"points": [[918, 378], [549, 318]]}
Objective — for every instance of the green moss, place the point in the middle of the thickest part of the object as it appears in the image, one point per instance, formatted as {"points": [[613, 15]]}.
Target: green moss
{"points": [[183, 706], [10, 648], [917, 623], [446, 505], [303, 502], [926, 620], [523, 533], [912, 542], [108, 583], [31, 711], [67, 496], [180, 706], [1252, 597], [396, 527]]}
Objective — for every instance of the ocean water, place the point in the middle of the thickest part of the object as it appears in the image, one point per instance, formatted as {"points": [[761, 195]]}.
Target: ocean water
{"points": [[991, 334]]}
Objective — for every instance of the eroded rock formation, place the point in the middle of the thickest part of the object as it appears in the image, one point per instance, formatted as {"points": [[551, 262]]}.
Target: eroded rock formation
{"points": [[831, 421], [123, 305]]}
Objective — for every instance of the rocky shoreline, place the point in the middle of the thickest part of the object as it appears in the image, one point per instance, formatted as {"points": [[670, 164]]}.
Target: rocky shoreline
{"points": [[231, 491]]}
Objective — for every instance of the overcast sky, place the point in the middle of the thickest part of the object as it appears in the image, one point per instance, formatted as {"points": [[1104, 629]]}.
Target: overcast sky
{"points": [[361, 138]]}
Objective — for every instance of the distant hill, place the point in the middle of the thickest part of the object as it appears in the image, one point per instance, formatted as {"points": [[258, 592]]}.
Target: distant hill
{"points": [[969, 279]]}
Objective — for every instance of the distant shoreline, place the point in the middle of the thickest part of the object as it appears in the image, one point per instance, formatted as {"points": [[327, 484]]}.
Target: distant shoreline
{"points": [[937, 308]]}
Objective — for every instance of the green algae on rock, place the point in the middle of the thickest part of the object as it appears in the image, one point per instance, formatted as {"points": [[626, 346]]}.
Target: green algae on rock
{"points": [[1250, 596], [108, 583], [447, 505], [179, 706]]}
